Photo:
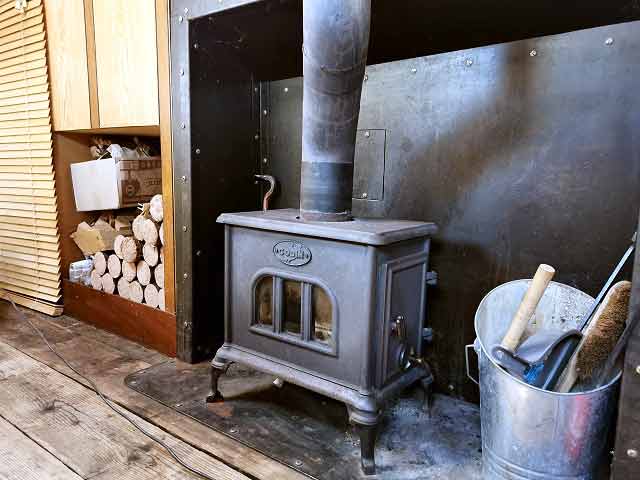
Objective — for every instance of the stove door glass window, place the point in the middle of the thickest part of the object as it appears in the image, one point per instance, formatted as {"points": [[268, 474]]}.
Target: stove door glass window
{"points": [[321, 315], [292, 312], [264, 301], [296, 311]]}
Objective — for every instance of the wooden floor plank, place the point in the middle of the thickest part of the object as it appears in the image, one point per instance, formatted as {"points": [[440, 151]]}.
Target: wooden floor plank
{"points": [[23, 459], [84, 345], [71, 422]]}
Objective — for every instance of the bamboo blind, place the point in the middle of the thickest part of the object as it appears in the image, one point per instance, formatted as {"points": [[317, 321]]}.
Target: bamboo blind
{"points": [[29, 241]]}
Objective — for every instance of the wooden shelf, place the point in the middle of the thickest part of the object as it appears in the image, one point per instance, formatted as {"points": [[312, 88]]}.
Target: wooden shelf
{"points": [[148, 326]]}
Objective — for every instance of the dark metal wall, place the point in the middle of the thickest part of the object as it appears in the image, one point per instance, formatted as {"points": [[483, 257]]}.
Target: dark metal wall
{"points": [[519, 158], [522, 153]]}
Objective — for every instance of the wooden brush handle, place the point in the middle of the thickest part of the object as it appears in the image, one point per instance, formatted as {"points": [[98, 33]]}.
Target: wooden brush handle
{"points": [[527, 307]]}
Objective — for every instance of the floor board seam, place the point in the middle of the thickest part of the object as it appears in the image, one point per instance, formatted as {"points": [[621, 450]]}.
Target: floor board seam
{"points": [[147, 419], [41, 446]]}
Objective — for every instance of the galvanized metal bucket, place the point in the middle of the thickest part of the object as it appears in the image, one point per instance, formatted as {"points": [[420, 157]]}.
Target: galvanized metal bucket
{"points": [[529, 433]]}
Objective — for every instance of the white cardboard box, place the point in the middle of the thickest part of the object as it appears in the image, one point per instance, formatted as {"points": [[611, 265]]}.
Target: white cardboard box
{"points": [[107, 185]]}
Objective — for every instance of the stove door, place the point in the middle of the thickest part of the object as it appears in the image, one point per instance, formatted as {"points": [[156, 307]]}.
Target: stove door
{"points": [[405, 296]]}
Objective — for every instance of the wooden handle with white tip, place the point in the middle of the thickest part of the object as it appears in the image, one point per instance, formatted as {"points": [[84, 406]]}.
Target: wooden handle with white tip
{"points": [[528, 306]]}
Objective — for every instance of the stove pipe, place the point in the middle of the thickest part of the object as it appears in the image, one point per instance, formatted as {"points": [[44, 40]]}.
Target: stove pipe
{"points": [[336, 39]]}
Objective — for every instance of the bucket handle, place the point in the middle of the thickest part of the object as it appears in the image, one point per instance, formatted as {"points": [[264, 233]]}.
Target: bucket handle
{"points": [[466, 358]]}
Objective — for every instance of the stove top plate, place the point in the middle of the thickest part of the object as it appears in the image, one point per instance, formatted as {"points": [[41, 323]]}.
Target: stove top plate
{"points": [[369, 231]]}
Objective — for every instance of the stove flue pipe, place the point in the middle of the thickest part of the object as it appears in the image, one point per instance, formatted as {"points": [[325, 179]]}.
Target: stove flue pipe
{"points": [[336, 39]]}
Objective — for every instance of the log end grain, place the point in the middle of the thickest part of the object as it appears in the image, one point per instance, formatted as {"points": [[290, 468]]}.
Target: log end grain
{"points": [[143, 272], [107, 283], [96, 280], [114, 265], [155, 208], [161, 299], [150, 254], [100, 263], [149, 231], [129, 271], [158, 275], [135, 292], [151, 295], [130, 249]]}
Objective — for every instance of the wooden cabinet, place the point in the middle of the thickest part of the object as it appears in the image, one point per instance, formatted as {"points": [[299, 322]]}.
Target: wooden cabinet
{"points": [[103, 58]]}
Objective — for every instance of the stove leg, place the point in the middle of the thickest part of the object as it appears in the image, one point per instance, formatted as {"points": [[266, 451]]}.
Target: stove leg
{"points": [[426, 384], [366, 424], [217, 368]]}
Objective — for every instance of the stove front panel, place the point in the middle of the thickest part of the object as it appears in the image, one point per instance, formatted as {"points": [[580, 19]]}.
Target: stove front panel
{"points": [[306, 302]]}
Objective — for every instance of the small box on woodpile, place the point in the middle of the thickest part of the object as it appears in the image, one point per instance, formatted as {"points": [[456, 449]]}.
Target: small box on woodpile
{"points": [[107, 184]]}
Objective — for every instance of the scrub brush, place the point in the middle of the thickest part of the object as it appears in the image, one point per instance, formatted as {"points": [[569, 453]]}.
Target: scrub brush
{"points": [[609, 323]]}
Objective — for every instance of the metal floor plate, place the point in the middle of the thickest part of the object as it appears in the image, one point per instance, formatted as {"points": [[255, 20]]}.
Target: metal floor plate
{"points": [[311, 434]]}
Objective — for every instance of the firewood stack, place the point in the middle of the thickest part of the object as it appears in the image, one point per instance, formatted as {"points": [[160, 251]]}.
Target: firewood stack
{"points": [[135, 269]]}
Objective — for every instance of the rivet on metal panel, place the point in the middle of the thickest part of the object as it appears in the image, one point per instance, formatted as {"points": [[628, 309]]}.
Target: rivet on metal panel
{"points": [[195, 46], [185, 275], [286, 89], [256, 137], [180, 19], [197, 151], [298, 463], [451, 387], [468, 62], [638, 369], [184, 228], [186, 10], [533, 53], [198, 253], [364, 195], [234, 429], [632, 453], [186, 324], [265, 160], [414, 70], [608, 41], [184, 179], [264, 112], [367, 134], [183, 125], [181, 71]]}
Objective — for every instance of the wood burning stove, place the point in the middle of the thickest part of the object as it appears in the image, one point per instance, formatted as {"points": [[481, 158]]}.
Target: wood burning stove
{"points": [[337, 308], [313, 296]]}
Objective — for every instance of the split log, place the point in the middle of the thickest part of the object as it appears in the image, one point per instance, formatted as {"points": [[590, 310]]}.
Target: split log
{"points": [[129, 271], [136, 226], [130, 249], [100, 263], [107, 283], [135, 292], [149, 231], [158, 275], [143, 272], [117, 245], [151, 295], [150, 254], [155, 208], [161, 233], [96, 280], [123, 287], [114, 265], [161, 299]]}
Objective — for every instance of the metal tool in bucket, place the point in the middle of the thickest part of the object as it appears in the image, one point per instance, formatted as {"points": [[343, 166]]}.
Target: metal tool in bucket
{"points": [[527, 432]]}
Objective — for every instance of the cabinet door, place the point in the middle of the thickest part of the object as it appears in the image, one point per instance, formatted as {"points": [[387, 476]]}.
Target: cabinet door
{"points": [[126, 62], [68, 72]]}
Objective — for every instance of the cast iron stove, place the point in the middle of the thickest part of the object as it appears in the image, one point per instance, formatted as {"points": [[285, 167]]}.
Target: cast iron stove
{"points": [[335, 307]]}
